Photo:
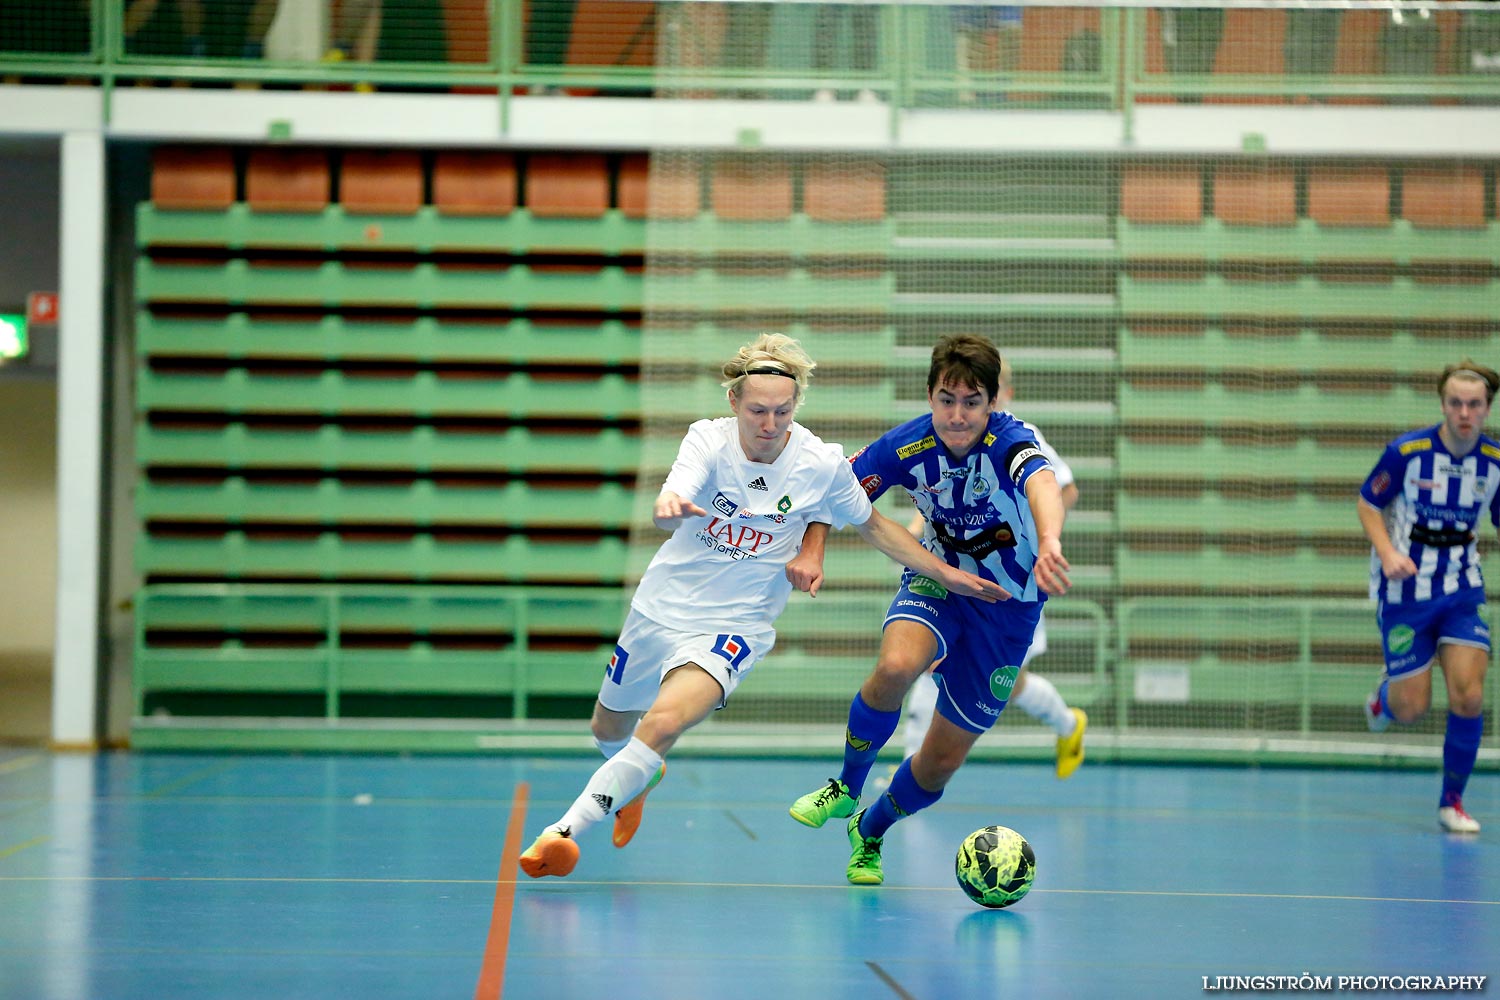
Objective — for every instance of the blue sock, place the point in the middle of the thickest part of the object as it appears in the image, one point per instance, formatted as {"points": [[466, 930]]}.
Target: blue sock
{"points": [[868, 731], [1385, 702], [903, 798], [1460, 748]]}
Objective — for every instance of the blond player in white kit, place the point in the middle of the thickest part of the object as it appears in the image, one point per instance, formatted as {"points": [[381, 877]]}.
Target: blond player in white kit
{"points": [[738, 498]]}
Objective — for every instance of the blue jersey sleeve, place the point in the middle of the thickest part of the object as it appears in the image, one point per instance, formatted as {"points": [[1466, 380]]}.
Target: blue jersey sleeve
{"points": [[877, 467], [1383, 483]]}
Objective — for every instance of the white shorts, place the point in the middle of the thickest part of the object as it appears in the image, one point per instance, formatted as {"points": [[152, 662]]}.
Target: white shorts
{"points": [[1038, 640], [648, 651]]}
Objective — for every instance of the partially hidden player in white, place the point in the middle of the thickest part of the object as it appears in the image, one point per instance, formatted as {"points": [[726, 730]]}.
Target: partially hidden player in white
{"points": [[1033, 694], [1420, 507], [992, 501], [737, 501]]}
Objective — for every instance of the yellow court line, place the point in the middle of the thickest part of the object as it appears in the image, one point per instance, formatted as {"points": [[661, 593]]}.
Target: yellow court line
{"points": [[203, 772], [20, 763], [311, 880], [6, 852]]}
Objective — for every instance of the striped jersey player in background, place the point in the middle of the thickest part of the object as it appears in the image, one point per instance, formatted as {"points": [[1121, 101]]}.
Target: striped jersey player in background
{"points": [[737, 502], [1421, 507], [993, 508]]}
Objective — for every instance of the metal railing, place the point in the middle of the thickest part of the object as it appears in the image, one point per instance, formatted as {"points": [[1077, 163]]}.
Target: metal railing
{"points": [[1100, 56]]}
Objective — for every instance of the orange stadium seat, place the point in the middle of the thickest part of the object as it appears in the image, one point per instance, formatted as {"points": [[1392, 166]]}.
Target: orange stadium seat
{"points": [[287, 180], [1171, 194], [192, 177], [1349, 196], [751, 188], [467, 25], [1252, 44], [669, 190], [567, 185], [1443, 197], [381, 182], [1358, 50], [465, 183], [1255, 196], [613, 33], [844, 192]]}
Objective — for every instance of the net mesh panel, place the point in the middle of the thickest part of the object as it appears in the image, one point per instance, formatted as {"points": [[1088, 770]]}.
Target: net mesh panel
{"points": [[1219, 346]]}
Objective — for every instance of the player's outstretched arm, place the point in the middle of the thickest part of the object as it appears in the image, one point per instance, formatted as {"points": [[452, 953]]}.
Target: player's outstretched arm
{"points": [[1048, 511], [896, 542], [671, 510], [805, 570]]}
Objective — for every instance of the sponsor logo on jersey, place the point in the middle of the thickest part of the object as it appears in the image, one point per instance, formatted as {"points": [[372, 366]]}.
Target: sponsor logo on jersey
{"points": [[738, 541], [871, 484], [1399, 639], [916, 447], [1411, 447], [784, 504], [759, 483], [1380, 483], [1490, 450], [724, 505], [927, 587], [1003, 681], [746, 514], [989, 438], [959, 473]]}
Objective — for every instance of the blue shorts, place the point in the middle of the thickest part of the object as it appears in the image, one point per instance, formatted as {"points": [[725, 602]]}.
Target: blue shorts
{"points": [[980, 647], [1411, 633]]}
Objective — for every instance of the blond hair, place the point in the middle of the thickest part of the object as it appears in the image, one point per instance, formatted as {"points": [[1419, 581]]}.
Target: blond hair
{"points": [[770, 354], [1469, 369]]}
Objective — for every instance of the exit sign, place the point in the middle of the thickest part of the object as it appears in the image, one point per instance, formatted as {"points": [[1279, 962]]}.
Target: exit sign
{"points": [[12, 336]]}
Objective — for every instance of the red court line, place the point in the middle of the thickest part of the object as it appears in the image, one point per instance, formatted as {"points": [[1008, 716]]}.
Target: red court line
{"points": [[492, 972]]}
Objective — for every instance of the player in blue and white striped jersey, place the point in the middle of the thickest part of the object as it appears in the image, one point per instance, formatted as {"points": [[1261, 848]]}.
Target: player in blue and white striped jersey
{"points": [[1421, 508], [993, 508]]}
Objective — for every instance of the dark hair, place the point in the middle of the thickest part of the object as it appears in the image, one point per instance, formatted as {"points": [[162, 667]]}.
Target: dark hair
{"points": [[965, 359], [1468, 366]]}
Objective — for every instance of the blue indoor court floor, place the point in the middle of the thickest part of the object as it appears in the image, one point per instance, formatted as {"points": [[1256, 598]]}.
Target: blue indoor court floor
{"points": [[133, 876]]}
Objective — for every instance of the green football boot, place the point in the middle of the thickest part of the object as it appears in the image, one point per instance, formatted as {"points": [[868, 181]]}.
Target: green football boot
{"points": [[864, 863], [816, 808]]}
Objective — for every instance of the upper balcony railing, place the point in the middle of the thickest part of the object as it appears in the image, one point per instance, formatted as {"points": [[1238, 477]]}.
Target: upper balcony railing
{"points": [[910, 54]]}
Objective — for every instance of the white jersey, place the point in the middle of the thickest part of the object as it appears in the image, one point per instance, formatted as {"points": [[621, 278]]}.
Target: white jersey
{"points": [[726, 571]]}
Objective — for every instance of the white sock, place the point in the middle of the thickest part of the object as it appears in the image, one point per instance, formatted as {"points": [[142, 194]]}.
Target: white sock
{"points": [[921, 702], [610, 747], [1040, 700], [618, 780]]}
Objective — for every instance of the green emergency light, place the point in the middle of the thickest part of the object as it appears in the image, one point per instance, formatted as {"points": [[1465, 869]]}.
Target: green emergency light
{"points": [[13, 343]]}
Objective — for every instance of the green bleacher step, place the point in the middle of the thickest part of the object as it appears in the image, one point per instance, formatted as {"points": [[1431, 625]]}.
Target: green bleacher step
{"points": [[1401, 299], [329, 556], [423, 448], [235, 500]]}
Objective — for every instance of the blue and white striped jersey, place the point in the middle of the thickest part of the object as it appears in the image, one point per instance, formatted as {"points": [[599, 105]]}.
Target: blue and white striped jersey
{"points": [[1433, 503], [977, 515]]}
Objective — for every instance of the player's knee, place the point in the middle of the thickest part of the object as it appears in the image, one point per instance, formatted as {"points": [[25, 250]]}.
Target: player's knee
{"points": [[1409, 708], [1467, 700]]}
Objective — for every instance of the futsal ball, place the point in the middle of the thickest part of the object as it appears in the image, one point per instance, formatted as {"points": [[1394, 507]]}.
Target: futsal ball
{"points": [[995, 866]]}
